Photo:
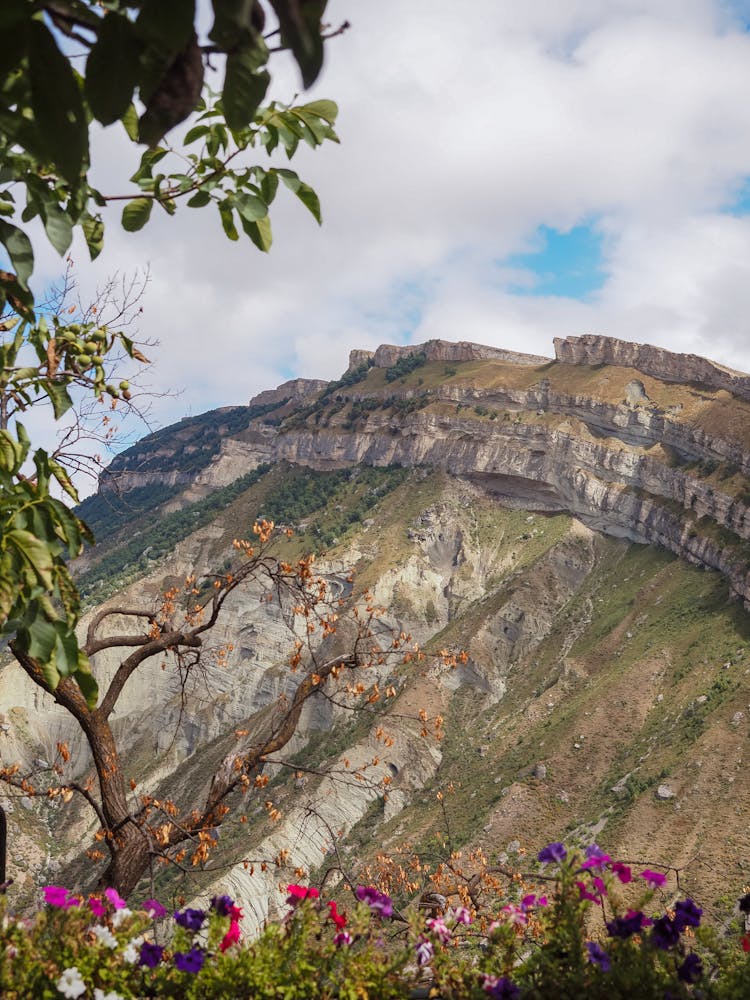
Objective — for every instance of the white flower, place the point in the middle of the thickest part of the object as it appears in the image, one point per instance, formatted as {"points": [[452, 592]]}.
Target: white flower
{"points": [[132, 950], [104, 936], [101, 995], [119, 915], [70, 984]]}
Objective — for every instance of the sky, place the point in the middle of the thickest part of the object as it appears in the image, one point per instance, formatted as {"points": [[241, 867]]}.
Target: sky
{"points": [[507, 173]]}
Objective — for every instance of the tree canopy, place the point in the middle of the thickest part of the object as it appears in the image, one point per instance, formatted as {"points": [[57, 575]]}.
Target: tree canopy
{"points": [[136, 65]]}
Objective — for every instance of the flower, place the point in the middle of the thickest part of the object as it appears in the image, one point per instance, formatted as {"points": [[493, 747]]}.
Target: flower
{"points": [[131, 952], [623, 872], [583, 893], [665, 934], [553, 852], [691, 969], [654, 879], [500, 988], [746, 942], [104, 936], [154, 909], [598, 956], [299, 892], [70, 983], [425, 951], [532, 900], [59, 896], [377, 901], [339, 919], [633, 922], [115, 898], [595, 858], [222, 904], [191, 920], [190, 961], [437, 926], [151, 954], [121, 915], [101, 995], [343, 937], [516, 915], [231, 937], [461, 915], [687, 914], [96, 906]]}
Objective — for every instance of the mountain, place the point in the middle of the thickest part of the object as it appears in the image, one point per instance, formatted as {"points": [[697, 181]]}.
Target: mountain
{"points": [[579, 526]]}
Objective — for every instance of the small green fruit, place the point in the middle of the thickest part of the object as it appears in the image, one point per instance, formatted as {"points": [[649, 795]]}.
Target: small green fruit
{"points": [[124, 385]]}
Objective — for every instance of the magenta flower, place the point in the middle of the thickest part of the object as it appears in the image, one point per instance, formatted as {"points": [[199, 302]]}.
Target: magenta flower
{"points": [[378, 902], [154, 909], [596, 858], [59, 896], [96, 906], [343, 937], [115, 899], [437, 926], [532, 900], [655, 879], [583, 893], [299, 892], [623, 872], [461, 915]]}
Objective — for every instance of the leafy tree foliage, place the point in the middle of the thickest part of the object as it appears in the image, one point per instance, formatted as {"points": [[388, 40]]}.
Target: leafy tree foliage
{"points": [[137, 65]]}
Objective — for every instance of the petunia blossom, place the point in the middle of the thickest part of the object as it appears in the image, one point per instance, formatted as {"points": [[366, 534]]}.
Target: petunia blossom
{"points": [[339, 919], [691, 969], [655, 879], [623, 872], [190, 961], [154, 909], [379, 902], [598, 956], [437, 926], [460, 914], [687, 914], [500, 988], [583, 893], [342, 938], [71, 983], [231, 937], [222, 904], [299, 892], [555, 852], [104, 936], [101, 995], [425, 951], [115, 898], [151, 954], [191, 920], [59, 896], [96, 906]]}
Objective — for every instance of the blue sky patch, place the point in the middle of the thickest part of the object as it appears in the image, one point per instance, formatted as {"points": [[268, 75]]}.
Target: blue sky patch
{"points": [[740, 203], [567, 264]]}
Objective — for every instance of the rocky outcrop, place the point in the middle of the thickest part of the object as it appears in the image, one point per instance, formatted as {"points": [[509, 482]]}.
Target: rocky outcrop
{"points": [[296, 390], [357, 358], [689, 369], [444, 350]]}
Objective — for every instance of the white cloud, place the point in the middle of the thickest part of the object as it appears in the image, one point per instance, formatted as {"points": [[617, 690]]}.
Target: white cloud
{"points": [[464, 128]]}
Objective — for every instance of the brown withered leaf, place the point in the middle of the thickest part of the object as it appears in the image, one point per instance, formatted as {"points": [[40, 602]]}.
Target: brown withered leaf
{"points": [[175, 96]]}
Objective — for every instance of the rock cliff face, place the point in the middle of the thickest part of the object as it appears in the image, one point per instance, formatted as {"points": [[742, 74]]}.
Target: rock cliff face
{"points": [[444, 350]]}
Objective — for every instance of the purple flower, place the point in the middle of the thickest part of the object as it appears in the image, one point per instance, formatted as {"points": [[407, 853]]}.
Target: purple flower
{"points": [[190, 961], [596, 858], [150, 954], [343, 937], [623, 927], [665, 934], [377, 901], [691, 969], [223, 905], [687, 914], [500, 988], [553, 852], [425, 951], [191, 920], [154, 909], [598, 956]]}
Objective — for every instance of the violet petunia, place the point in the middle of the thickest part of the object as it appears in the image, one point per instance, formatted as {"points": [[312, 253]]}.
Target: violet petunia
{"points": [[190, 961], [555, 852]]}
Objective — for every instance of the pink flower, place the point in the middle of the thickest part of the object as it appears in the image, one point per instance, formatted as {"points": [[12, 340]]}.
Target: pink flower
{"points": [[437, 926], [461, 915], [299, 892], [59, 896], [622, 872], [115, 899], [96, 906], [516, 915], [583, 893], [599, 885], [654, 879], [231, 937]]}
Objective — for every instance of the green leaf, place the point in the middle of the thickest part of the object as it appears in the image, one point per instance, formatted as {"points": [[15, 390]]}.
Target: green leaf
{"points": [[56, 101], [259, 232], [130, 123], [58, 227], [250, 207], [301, 31], [166, 24], [86, 681], [112, 69], [327, 110], [42, 639], [303, 191], [18, 245], [93, 230], [196, 132], [269, 186], [59, 397], [36, 554], [245, 87], [136, 214], [237, 23], [199, 199], [227, 220]]}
